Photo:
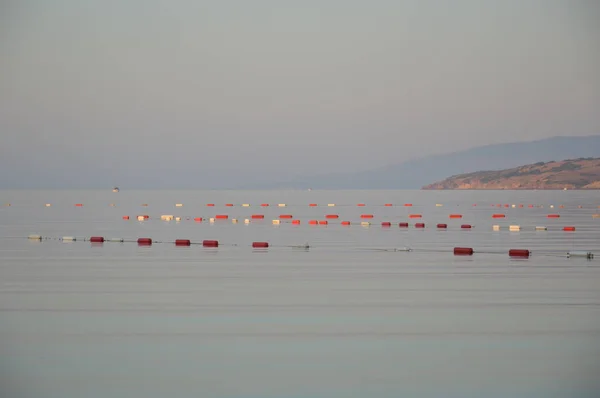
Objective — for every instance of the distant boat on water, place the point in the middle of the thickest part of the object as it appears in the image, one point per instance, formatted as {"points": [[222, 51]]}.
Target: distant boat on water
{"points": [[116, 189]]}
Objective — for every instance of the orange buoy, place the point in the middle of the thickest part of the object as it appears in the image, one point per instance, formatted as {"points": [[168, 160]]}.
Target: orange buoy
{"points": [[465, 226], [296, 222], [420, 225], [403, 225], [408, 204], [553, 216], [323, 222], [569, 229], [198, 219], [518, 253], [312, 204], [79, 204], [386, 224], [285, 216], [221, 216], [265, 205], [414, 216], [360, 204], [366, 216], [455, 216], [97, 239], [257, 216], [144, 241], [463, 251], [125, 217], [228, 204], [182, 242], [498, 216], [388, 204], [210, 204], [260, 244], [313, 222], [442, 226], [210, 243], [345, 222], [330, 216]]}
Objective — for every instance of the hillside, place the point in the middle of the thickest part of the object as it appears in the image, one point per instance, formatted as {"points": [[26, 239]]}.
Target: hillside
{"points": [[413, 174], [571, 174]]}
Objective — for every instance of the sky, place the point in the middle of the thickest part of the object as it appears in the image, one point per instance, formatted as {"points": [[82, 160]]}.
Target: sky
{"points": [[228, 93]]}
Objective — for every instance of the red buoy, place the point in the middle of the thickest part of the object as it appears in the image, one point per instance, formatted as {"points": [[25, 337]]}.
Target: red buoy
{"points": [[553, 216], [198, 219], [312, 204], [388, 204], [144, 241], [285, 216], [420, 225], [182, 242], [386, 224], [498, 215], [463, 251], [228, 204], [455, 216], [210, 243], [442, 226], [465, 226], [97, 239], [345, 222], [408, 204], [569, 229], [265, 205], [366, 216], [257, 216], [323, 222], [360, 204], [415, 216], [210, 204], [260, 244], [330, 216], [125, 217], [313, 222], [78, 204], [296, 222], [518, 253], [403, 225]]}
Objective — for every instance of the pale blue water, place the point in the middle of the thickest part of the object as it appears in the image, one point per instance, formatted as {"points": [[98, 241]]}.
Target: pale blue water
{"points": [[340, 320]]}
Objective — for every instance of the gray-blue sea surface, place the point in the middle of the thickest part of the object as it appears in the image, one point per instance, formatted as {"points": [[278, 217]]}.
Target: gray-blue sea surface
{"points": [[352, 316]]}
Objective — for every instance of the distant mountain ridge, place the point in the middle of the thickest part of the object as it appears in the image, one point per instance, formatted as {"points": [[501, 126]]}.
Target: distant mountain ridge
{"points": [[414, 174], [566, 174]]}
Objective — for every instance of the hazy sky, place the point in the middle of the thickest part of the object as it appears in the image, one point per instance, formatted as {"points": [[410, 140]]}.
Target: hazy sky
{"points": [[266, 89]]}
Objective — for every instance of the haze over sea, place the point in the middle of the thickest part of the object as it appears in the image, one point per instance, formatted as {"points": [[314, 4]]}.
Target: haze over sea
{"points": [[339, 320]]}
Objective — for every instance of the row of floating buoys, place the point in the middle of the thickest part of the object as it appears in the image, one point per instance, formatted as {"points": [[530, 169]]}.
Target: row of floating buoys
{"points": [[458, 251]]}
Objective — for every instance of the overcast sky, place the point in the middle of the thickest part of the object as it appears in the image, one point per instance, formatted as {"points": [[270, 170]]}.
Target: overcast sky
{"points": [[281, 88]]}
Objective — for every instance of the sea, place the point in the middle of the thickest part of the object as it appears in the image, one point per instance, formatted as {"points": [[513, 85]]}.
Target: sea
{"points": [[363, 311]]}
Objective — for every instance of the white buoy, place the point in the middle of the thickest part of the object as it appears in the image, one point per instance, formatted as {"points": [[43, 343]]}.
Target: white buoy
{"points": [[116, 240], [514, 228], [178, 204], [496, 227], [276, 222], [35, 237], [580, 253], [541, 228], [331, 205], [246, 221], [281, 205], [68, 239], [365, 223], [246, 205]]}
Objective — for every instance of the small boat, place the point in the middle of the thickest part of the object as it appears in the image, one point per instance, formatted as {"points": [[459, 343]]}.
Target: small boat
{"points": [[116, 189]]}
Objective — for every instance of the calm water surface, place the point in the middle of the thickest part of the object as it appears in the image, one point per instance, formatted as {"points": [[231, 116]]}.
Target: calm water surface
{"points": [[343, 319]]}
